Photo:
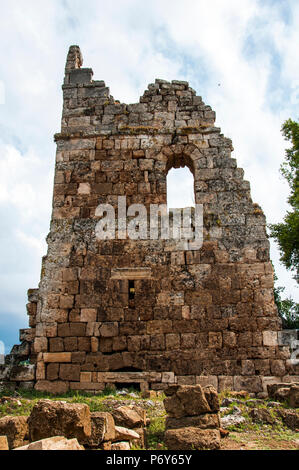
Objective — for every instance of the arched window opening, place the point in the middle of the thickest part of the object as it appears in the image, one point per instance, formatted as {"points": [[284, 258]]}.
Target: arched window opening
{"points": [[180, 188]]}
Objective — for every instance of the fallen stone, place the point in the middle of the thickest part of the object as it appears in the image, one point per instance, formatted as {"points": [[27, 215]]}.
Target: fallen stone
{"points": [[55, 418], [141, 412], [192, 439], [105, 445], [239, 394], [261, 415], [290, 418], [228, 401], [253, 402], [124, 434], [231, 420], [3, 443], [224, 410], [10, 400], [236, 411], [102, 428], [212, 398], [127, 417], [273, 404], [53, 443], [121, 446], [15, 428], [294, 396], [149, 394], [282, 394], [285, 392]]}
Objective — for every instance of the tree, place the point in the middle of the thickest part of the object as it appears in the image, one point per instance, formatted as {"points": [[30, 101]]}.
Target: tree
{"points": [[288, 309], [286, 233]]}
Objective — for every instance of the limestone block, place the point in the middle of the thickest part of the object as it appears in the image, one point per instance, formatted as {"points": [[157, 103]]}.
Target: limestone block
{"points": [[58, 357], [88, 315], [57, 387], [121, 446], [3, 443], [270, 338], [250, 384], [205, 421], [124, 434], [128, 417], [192, 439], [204, 381], [55, 418], [53, 443], [15, 428], [102, 429], [108, 330]]}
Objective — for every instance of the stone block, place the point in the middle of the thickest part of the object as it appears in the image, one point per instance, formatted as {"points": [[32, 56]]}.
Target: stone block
{"points": [[109, 330], [205, 421], [23, 373], [55, 418], [15, 428], [205, 380], [3, 443], [56, 387], [53, 443], [270, 338], [69, 372], [192, 438], [88, 315], [225, 382], [128, 417], [102, 429], [168, 377], [58, 357], [250, 384]]}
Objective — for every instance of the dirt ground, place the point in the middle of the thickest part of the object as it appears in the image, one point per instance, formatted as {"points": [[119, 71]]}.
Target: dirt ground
{"points": [[252, 441]]}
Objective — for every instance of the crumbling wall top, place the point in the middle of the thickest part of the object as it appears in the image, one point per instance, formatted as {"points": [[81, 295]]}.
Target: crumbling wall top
{"points": [[74, 59]]}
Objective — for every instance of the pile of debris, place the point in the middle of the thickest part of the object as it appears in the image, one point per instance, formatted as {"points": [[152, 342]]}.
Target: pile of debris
{"points": [[58, 425]]}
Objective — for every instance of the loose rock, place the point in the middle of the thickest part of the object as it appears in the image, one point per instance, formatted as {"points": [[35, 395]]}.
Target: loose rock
{"points": [[55, 418], [15, 428], [53, 443]]}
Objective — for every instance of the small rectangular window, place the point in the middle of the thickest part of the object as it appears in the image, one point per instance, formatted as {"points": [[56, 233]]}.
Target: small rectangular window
{"points": [[131, 290]]}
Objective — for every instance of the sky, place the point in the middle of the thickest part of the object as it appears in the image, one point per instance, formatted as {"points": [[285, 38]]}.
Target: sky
{"points": [[241, 57]]}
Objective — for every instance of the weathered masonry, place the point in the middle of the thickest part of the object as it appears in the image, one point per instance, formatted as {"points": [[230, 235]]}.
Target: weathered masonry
{"points": [[142, 311]]}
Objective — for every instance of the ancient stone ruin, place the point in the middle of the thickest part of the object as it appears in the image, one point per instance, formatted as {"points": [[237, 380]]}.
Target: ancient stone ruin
{"points": [[150, 312], [59, 425]]}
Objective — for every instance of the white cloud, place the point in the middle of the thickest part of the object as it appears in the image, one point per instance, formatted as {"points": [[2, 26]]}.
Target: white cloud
{"points": [[129, 44], [23, 179]]}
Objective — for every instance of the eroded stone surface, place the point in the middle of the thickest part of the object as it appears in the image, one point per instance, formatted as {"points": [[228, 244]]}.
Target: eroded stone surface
{"points": [[15, 428], [192, 439], [55, 418], [53, 443], [204, 315]]}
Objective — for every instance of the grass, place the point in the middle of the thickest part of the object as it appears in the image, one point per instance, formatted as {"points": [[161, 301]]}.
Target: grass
{"points": [[250, 434], [155, 434], [95, 402]]}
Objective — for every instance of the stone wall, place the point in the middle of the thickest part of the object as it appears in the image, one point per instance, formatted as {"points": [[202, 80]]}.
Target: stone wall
{"points": [[202, 316]]}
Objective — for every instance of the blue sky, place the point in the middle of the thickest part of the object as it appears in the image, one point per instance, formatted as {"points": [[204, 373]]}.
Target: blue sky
{"points": [[241, 57]]}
